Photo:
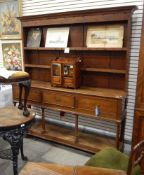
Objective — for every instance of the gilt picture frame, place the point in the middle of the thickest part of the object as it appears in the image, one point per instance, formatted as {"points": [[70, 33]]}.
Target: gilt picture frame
{"points": [[12, 54], [10, 27]]}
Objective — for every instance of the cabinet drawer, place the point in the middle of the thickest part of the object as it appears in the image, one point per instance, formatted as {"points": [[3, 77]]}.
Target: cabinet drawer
{"points": [[106, 108], [68, 82], [59, 99], [34, 96], [15, 92]]}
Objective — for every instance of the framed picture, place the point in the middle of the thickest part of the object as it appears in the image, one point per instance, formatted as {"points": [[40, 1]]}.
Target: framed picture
{"points": [[105, 36], [34, 37], [12, 54], [57, 37], [9, 25]]}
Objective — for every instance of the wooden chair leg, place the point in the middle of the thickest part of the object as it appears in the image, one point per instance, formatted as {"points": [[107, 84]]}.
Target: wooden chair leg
{"points": [[76, 128], [20, 106], [26, 86], [43, 121]]}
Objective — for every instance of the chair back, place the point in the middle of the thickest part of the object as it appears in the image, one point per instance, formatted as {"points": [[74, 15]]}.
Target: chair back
{"points": [[136, 156]]}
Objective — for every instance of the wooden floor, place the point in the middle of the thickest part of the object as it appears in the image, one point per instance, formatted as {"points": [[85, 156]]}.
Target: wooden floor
{"points": [[60, 134]]}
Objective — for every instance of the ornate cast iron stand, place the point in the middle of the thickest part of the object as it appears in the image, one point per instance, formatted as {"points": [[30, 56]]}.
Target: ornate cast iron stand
{"points": [[13, 132], [14, 136]]}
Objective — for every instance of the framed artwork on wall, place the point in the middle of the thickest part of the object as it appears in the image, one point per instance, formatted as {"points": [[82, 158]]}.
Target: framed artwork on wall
{"points": [[12, 54], [57, 37], [9, 25]]}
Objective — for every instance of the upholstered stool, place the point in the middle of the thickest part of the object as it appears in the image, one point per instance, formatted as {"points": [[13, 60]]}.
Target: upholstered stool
{"points": [[23, 79]]}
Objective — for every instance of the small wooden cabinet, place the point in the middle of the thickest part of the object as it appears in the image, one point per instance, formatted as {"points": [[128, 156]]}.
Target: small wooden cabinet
{"points": [[65, 72], [96, 88]]}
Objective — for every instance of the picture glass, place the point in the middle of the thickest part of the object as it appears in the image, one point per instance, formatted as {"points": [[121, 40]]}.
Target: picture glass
{"points": [[105, 36], [12, 55], [34, 37], [57, 37], [56, 69], [9, 24]]}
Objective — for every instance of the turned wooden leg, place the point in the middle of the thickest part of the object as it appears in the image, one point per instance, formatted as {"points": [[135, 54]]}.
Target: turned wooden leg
{"points": [[26, 85], [43, 121], [122, 133], [118, 135], [20, 106], [76, 128]]}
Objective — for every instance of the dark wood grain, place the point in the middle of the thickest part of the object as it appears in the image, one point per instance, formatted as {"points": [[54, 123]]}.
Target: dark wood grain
{"points": [[11, 116], [102, 76], [57, 169]]}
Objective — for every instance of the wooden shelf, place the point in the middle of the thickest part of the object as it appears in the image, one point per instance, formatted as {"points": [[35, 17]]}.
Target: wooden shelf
{"points": [[78, 49], [83, 69], [37, 66], [98, 49], [115, 71], [100, 92], [87, 142]]}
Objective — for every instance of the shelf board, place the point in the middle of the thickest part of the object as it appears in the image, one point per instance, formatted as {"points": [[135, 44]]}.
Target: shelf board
{"points": [[104, 70], [37, 66], [100, 92], [98, 49], [83, 69], [87, 142], [78, 49]]}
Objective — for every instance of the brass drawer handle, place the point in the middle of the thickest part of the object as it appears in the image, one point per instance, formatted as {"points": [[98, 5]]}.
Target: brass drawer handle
{"points": [[97, 111]]}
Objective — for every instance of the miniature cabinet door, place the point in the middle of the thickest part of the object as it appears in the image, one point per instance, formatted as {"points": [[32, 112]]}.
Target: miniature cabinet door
{"points": [[69, 75], [56, 74]]}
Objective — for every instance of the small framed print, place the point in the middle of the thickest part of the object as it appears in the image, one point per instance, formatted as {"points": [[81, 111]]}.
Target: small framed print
{"points": [[10, 27], [34, 37], [57, 37], [105, 36], [12, 54]]}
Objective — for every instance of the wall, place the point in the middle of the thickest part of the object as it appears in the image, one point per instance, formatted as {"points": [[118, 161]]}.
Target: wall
{"points": [[34, 7]]}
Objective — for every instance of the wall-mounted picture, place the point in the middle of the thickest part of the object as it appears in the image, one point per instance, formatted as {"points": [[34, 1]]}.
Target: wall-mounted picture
{"points": [[105, 36], [34, 37], [57, 37], [12, 54], [9, 25]]}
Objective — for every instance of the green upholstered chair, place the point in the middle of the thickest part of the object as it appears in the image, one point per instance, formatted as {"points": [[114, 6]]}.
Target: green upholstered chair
{"points": [[111, 158]]}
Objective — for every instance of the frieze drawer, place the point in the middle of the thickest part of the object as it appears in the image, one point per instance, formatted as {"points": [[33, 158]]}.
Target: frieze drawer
{"points": [[99, 107], [34, 95], [59, 99], [16, 92]]}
